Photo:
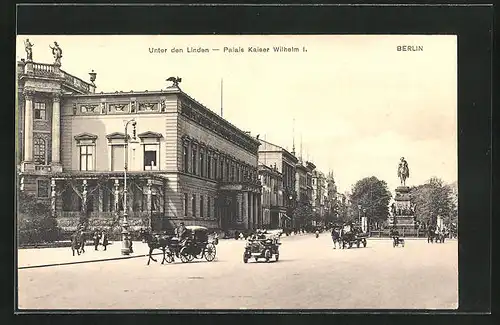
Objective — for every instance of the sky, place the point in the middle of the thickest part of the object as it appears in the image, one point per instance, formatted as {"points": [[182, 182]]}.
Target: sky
{"points": [[354, 103]]}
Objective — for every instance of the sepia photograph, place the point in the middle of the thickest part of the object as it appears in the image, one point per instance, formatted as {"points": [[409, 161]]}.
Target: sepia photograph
{"points": [[236, 172]]}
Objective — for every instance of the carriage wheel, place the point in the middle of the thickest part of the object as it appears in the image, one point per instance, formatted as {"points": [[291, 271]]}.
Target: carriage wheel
{"points": [[185, 256], [169, 256], [210, 252], [267, 255]]}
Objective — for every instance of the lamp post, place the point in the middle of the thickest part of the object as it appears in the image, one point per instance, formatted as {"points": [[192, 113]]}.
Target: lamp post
{"points": [[126, 243], [364, 215], [359, 213]]}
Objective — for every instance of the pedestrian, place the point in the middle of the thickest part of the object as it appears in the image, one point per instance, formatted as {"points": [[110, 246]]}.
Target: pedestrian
{"points": [[95, 237], [104, 239]]}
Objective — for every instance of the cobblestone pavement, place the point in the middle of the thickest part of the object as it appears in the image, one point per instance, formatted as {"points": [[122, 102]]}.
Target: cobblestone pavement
{"points": [[309, 274]]}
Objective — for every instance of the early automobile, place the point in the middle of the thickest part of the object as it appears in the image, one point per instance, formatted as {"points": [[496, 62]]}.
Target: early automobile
{"points": [[262, 245]]}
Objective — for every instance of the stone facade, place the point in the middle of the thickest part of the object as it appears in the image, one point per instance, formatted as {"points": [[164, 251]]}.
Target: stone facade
{"points": [[272, 196], [285, 162], [184, 162]]}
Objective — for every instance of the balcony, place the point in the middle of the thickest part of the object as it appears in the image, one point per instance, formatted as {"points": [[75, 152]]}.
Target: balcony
{"points": [[43, 168], [44, 70]]}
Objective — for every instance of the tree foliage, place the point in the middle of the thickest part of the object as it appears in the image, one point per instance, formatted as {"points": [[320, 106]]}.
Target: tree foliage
{"points": [[303, 214], [373, 196], [34, 222], [432, 199]]}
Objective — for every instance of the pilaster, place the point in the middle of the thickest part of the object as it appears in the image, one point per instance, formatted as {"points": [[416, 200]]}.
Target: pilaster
{"points": [[56, 133], [28, 125]]}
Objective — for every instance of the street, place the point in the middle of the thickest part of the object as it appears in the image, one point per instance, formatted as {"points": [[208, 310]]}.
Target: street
{"points": [[309, 275]]}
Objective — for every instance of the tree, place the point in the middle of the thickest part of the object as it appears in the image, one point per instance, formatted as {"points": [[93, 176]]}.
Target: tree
{"points": [[373, 196], [432, 199], [302, 214], [35, 223]]}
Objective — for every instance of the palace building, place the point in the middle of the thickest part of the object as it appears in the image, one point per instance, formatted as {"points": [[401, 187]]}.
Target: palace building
{"points": [[184, 162]]}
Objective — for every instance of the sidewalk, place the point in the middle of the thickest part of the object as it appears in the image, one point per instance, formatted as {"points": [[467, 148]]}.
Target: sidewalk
{"points": [[38, 257]]}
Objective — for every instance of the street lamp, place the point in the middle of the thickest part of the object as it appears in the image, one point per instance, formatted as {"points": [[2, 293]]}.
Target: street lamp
{"points": [[359, 213], [364, 215], [126, 242]]}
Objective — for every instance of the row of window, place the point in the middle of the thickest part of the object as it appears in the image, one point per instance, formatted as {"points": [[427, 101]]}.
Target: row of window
{"points": [[150, 155], [204, 163], [271, 198], [210, 206]]}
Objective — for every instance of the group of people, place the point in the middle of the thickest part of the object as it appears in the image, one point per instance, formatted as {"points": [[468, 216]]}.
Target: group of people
{"points": [[100, 237]]}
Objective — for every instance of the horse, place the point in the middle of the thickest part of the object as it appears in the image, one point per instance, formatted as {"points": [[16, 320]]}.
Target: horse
{"points": [[160, 242], [78, 242], [336, 238]]}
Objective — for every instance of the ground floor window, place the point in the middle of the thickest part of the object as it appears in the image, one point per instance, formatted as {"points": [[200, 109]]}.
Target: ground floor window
{"points": [[43, 188]]}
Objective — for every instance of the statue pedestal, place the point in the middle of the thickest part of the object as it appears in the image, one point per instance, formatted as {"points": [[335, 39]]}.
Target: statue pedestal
{"points": [[403, 214]]}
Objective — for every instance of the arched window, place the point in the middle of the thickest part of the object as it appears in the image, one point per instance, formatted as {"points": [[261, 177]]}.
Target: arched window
{"points": [[39, 151]]}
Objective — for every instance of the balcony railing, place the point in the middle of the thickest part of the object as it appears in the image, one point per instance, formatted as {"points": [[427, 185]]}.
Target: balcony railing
{"points": [[42, 69], [43, 168], [50, 70], [103, 215], [76, 82]]}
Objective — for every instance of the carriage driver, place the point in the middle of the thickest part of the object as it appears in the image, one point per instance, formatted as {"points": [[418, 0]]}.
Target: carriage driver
{"points": [[181, 233]]}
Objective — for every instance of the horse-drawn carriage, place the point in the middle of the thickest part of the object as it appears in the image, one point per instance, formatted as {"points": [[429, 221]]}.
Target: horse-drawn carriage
{"points": [[353, 237], [435, 235], [195, 243]]}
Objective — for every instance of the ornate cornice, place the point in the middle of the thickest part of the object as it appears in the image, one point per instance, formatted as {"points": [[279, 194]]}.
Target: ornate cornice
{"points": [[56, 97], [116, 135], [29, 93], [221, 127], [150, 134], [85, 136]]}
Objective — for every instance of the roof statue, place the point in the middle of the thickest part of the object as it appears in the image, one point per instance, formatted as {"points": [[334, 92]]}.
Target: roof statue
{"points": [[403, 171], [175, 81], [57, 53], [29, 52]]}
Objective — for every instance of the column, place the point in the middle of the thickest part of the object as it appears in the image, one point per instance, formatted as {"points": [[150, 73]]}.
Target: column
{"points": [[117, 198], [149, 202], [56, 129], [251, 211], [84, 196], [101, 198], [28, 125], [256, 211], [245, 208], [53, 197]]}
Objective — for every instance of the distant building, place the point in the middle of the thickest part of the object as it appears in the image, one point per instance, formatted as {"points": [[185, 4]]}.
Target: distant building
{"points": [[319, 193], [273, 208], [285, 162], [185, 163]]}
